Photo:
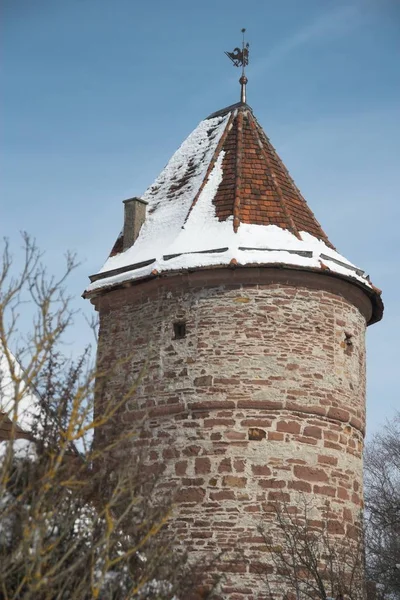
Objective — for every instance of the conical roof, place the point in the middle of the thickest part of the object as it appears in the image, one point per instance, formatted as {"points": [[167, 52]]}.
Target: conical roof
{"points": [[225, 197]]}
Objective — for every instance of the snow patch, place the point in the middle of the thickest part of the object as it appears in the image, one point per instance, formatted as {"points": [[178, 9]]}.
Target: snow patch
{"points": [[21, 450], [209, 242], [171, 195]]}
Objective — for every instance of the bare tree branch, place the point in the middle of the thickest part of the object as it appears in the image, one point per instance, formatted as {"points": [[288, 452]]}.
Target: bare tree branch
{"points": [[76, 521], [309, 562]]}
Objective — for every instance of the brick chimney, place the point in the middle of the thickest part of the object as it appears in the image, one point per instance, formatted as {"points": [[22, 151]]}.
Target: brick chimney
{"points": [[134, 217]]}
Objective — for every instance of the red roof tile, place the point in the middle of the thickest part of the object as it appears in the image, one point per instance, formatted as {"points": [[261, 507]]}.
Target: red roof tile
{"points": [[256, 187]]}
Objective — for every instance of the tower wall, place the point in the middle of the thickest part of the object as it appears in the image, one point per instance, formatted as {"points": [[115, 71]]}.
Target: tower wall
{"points": [[263, 400]]}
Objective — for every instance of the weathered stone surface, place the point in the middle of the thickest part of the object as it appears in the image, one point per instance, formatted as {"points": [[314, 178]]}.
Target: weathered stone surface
{"points": [[249, 421]]}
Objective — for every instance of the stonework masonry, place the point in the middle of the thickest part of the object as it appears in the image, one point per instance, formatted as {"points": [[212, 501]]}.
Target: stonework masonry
{"points": [[262, 400]]}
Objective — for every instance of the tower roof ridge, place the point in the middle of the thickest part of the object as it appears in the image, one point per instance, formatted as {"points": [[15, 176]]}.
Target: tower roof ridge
{"points": [[229, 109]]}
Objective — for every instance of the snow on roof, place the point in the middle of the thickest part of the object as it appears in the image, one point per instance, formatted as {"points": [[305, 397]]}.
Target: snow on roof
{"points": [[27, 410], [225, 196]]}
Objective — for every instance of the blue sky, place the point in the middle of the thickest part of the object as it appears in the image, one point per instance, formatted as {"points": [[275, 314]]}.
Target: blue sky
{"points": [[97, 95]]}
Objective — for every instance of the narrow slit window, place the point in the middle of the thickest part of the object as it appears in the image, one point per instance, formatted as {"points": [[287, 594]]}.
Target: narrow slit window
{"points": [[179, 330], [348, 343]]}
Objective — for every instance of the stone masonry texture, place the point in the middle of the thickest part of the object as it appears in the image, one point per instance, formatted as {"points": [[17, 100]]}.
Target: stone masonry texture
{"points": [[263, 400]]}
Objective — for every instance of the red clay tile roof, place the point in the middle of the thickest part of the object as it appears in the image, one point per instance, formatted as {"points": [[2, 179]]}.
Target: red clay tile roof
{"points": [[256, 186]]}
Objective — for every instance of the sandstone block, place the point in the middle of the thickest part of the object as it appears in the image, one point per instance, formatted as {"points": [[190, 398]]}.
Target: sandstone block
{"points": [[310, 473], [233, 481]]}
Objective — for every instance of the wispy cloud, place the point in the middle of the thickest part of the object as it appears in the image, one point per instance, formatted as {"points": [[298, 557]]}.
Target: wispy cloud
{"points": [[327, 26]]}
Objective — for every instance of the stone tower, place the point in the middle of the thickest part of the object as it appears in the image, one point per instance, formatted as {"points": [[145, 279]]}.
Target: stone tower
{"points": [[253, 326]]}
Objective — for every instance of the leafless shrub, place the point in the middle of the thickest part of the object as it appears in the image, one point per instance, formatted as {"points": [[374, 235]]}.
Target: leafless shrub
{"points": [[382, 503], [75, 522], [306, 560]]}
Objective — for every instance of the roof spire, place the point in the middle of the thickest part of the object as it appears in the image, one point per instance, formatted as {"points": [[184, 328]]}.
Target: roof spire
{"points": [[240, 58]]}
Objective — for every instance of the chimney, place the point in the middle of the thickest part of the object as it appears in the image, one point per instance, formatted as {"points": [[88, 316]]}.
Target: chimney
{"points": [[134, 217]]}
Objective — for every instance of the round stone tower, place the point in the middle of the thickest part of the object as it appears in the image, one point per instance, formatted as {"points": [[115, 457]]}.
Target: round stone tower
{"points": [[252, 327]]}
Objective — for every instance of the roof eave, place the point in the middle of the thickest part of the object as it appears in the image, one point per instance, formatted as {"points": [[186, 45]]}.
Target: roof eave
{"points": [[372, 292]]}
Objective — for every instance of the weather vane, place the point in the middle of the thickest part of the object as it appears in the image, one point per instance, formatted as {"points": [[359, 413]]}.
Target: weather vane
{"points": [[240, 58]]}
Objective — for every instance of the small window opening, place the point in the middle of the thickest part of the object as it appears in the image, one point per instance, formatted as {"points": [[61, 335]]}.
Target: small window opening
{"points": [[257, 434], [179, 330], [348, 340]]}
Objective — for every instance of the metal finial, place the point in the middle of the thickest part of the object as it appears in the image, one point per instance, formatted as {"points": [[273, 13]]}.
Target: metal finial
{"points": [[240, 58]]}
